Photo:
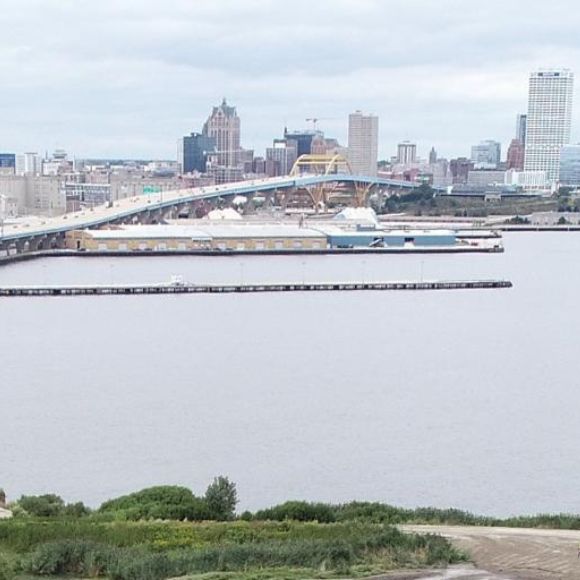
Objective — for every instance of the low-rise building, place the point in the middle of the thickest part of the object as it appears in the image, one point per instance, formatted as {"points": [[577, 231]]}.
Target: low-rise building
{"points": [[206, 236]]}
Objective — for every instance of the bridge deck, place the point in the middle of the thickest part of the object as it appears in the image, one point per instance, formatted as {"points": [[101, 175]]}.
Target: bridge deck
{"points": [[132, 206]]}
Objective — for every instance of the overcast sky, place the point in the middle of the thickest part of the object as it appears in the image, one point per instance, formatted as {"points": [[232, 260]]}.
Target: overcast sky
{"points": [[126, 78]]}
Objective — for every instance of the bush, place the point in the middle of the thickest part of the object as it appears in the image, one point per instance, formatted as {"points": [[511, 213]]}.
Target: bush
{"points": [[298, 510], [375, 512], [74, 557], [6, 570], [76, 510], [42, 506], [160, 502]]}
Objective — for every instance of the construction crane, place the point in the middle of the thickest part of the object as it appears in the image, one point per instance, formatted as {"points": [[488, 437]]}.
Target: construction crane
{"points": [[314, 120]]}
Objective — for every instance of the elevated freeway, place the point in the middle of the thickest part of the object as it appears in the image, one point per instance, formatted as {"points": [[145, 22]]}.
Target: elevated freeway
{"points": [[43, 234]]}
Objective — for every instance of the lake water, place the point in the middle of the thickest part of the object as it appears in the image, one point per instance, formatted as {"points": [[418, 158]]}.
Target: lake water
{"points": [[460, 398]]}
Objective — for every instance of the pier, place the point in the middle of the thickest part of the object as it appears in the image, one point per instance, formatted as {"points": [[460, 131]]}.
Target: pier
{"points": [[186, 288]]}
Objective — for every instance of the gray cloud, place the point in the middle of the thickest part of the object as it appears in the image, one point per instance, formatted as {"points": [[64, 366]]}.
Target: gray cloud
{"points": [[128, 77]]}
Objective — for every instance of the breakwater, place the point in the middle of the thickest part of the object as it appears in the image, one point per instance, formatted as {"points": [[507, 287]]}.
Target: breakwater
{"points": [[186, 288]]}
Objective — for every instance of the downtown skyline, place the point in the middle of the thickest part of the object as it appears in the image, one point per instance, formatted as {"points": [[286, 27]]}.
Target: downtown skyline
{"points": [[129, 78]]}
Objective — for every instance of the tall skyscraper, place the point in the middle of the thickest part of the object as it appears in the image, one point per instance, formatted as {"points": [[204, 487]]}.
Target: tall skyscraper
{"points": [[521, 124], [406, 152], [223, 125], [549, 120], [363, 143]]}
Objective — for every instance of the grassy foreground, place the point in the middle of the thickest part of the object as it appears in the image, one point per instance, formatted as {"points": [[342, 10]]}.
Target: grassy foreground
{"points": [[167, 532], [124, 550]]}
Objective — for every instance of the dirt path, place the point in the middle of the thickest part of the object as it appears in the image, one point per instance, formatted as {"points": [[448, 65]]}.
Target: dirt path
{"points": [[511, 553]]}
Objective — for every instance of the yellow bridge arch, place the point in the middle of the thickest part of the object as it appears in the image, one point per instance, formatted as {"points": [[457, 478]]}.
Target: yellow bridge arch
{"points": [[327, 165]]}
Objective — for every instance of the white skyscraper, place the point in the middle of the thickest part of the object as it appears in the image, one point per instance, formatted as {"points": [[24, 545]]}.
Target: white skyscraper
{"points": [[363, 140], [406, 153], [28, 164], [549, 120]]}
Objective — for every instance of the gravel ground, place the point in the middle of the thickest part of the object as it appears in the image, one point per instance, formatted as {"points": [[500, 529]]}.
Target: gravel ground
{"points": [[508, 553]]}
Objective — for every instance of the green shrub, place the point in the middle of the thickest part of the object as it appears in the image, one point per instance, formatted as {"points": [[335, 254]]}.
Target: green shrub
{"points": [[339, 548], [301, 511], [371, 512], [76, 510], [42, 506], [6, 569], [160, 502]]}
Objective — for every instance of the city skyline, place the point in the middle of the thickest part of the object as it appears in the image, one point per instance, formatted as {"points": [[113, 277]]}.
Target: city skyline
{"points": [[127, 79]]}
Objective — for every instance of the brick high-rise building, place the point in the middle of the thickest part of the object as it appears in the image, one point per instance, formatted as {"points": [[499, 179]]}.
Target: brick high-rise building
{"points": [[460, 168], [223, 126], [515, 155]]}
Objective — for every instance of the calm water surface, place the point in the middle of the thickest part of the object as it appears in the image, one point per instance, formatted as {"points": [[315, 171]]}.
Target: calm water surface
{"points": [[466, 398]]}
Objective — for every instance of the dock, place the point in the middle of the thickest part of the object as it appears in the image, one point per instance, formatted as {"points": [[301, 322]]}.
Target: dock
{"points": [[186, 288]]}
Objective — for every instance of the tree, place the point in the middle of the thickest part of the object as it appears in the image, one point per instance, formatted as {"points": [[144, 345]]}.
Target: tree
{"points": [[42, 506], [167, 502], [221, 498]]}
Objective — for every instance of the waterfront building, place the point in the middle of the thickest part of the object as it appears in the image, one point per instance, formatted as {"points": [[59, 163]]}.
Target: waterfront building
{"points": [[194, 151], [239, 236], [406, 153], [515, 155], [521, 124], [209, 236], [223, 126], [570, 166], [549, 120], [363, 140], [486, 155]]}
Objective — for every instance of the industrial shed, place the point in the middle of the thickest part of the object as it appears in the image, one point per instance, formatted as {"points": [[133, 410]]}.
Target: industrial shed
{"points": [[365, 237]]}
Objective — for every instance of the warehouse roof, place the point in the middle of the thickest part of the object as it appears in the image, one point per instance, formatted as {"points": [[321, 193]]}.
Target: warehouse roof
{"points": [[205, 231], [149, 232], [333, 230]]}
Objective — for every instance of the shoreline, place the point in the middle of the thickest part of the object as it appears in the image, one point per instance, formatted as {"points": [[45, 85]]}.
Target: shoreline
{"points": [[237, 253]]}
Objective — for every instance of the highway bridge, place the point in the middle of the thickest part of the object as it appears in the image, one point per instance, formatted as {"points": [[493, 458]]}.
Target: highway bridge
{"points": [[44, 234]]}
